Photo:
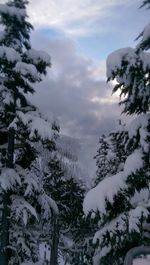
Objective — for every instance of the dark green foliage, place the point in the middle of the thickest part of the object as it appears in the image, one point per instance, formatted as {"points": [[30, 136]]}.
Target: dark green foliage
{"points": [[135, 78], [146, 3], [120, 225], [111, 154], [73, 229], [21, 189], [103, 162]]}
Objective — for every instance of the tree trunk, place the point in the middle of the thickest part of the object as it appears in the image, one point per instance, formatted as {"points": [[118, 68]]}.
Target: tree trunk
{"points": [[4, 240], [11, 141], [5, 232], [55, 241]]}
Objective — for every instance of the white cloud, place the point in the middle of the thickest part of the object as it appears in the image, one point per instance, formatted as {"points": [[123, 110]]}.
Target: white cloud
{"points": [[72, 17], [99, 71]]}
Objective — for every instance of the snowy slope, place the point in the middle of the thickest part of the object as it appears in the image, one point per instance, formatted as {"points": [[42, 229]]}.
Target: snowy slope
{"points": [[80, 153]]}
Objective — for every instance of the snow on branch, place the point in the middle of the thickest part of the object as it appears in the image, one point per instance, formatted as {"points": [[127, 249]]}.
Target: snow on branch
{"points": [[95, 200], [96, 197], [22, 210], [9, 179], [114, 60], [130, 68], [48, 205], [31, 184], [119, 223], [7, 96], [139, 125], [10, 54], [38, 56], [145, 37], [133, 163], [27, 70], [36, 124], [103, 252], [129, 55], [19, 13]]}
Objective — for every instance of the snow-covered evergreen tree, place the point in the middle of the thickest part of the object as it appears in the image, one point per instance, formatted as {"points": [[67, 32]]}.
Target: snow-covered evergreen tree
{"points": [[102, 159], [111, 154], [118, 139], [22, 197], [122, 200], [62, 182]]}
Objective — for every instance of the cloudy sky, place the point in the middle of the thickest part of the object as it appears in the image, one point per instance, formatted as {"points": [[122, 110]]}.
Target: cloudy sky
{"points": [[79, 35]]}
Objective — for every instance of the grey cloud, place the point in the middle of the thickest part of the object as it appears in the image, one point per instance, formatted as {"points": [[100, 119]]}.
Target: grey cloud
{"points": [[68, 89]]}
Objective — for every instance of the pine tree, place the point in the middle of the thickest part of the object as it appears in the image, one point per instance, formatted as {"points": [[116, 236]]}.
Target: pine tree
{"points": [[22, 197], [122, 200], [102, 160], [111, 154], [118, 139], [68, 233], [60, 182]]}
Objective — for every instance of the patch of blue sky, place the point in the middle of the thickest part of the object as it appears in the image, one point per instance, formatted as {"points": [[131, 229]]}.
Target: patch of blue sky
{"points": [[99, 47], [105, 34], [51, 33], [114, 33]]}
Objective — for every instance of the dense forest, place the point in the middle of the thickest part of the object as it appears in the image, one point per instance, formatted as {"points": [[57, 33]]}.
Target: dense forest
{"points": [[44, 198]]}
